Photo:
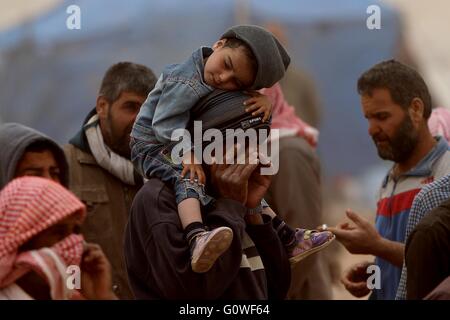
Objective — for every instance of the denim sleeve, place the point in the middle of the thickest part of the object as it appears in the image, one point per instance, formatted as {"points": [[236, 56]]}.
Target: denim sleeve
{"points": [[166, 109], [173, 108]]}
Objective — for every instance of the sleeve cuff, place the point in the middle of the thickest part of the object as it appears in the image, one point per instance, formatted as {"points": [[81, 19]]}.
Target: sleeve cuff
{"points": [[230, 207]]}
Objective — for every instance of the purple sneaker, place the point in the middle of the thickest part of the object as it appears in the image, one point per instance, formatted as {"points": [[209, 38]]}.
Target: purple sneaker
{"points": [[308, 242]]}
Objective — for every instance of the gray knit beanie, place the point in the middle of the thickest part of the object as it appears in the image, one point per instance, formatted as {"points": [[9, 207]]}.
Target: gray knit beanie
{"points": [[271, 57]]}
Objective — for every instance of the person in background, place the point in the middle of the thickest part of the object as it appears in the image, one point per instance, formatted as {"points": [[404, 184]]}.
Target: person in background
{"points": [[397, 105], [101, 173], [439, 123], [298, 86], [27, 152], [295, 192]]}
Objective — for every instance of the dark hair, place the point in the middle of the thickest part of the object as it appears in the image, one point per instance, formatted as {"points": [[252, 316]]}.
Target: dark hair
{"points": [[403, 83], [127, 76], [236, 43], [40, 146]]}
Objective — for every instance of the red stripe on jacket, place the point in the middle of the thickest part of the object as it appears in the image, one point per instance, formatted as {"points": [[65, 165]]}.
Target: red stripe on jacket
{"points": [[396, 204]]}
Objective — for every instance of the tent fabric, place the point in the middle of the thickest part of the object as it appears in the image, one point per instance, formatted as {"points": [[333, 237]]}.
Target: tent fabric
{"points": [[50, 75]]}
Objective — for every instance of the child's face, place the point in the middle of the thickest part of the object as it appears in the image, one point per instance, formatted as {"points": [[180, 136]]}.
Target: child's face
{"points": [[228, 68]]}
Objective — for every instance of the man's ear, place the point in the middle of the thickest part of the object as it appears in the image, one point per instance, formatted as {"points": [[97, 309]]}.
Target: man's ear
{"points": [[102, 107], [219, 44], [416, 110]]}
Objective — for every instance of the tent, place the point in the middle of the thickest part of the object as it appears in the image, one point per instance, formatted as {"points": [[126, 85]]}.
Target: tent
{"points": [[50, 74]]}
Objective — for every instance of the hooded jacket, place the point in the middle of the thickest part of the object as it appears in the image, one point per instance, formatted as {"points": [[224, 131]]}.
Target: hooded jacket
{"points": [[14, 140]]}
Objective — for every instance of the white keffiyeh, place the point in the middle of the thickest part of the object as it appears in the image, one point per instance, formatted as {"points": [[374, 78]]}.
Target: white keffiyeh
{"points": [[107, 159]]}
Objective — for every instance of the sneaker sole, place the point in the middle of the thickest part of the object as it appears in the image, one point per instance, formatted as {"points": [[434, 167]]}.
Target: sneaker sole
{"points": [[217, 245], [302, 256]]}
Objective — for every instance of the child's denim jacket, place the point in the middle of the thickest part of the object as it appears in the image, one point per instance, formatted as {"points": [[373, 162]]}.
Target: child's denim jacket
{"points": [[168, 105]]}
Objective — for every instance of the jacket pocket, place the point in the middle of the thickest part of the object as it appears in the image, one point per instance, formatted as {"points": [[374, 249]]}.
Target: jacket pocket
{"points": [[98, 219]]}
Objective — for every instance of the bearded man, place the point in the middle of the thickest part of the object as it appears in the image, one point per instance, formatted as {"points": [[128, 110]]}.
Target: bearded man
{"points": [[396, 102], [101, 173]]}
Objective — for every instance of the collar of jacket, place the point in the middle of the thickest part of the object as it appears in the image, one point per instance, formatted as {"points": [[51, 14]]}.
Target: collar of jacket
{"points": [[80, 140], [425, 166]]}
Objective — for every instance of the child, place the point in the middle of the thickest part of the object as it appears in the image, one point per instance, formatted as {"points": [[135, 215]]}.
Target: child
{"points": [[245, 58]]}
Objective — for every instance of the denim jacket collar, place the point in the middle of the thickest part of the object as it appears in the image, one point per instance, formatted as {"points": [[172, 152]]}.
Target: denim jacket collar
{"points": [[199, 58]]}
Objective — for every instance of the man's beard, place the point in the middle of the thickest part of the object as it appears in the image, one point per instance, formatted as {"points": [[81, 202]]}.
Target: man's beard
{"points": [[119, 144], [400, 147]]}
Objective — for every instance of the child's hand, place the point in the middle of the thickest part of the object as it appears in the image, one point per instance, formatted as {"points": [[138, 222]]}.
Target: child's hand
{"points": [[258, 104], [195, 170]]}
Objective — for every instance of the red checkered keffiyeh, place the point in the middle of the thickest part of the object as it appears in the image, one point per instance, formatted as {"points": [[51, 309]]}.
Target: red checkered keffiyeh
{"points": [[29, 205], [284, 117]]}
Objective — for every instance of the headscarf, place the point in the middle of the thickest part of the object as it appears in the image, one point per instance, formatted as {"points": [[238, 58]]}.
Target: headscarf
{"points": [[439, 123], [28, 206], [285, 119]]}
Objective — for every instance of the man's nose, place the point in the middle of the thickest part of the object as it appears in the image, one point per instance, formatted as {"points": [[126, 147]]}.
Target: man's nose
{"points": [[133, 120], [373, 128]]}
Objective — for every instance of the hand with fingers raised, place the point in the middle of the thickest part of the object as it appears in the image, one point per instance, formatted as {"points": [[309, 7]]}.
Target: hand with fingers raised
{"points": [[359, 238]]}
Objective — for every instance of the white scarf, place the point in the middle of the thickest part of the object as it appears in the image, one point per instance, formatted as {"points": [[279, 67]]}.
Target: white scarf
{"points": [[117, 165]]}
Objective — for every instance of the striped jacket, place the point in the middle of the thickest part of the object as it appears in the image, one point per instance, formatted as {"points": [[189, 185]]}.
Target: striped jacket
{"points": [[255, 266]]}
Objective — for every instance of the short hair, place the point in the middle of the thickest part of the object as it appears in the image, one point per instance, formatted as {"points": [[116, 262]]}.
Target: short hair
{"points": [[127, 76], [236, 43], [403, 83]]}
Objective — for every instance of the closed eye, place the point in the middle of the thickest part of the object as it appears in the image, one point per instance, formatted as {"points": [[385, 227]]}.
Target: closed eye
{"points": [[379, 116], [132, 106], [227, 64]]}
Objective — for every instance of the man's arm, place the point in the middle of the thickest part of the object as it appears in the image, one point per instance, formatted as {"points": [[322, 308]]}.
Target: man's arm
{"points": [[391, 251], [363, 238]]}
